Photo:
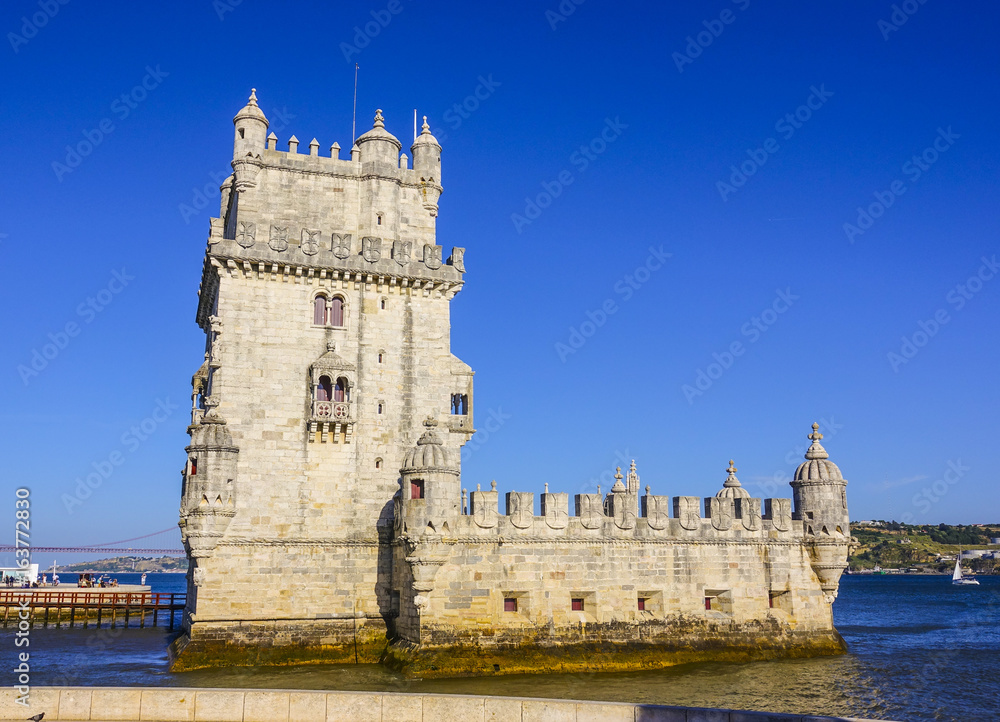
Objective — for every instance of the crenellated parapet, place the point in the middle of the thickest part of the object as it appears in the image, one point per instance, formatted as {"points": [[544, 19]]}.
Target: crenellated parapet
{"points": [[619, 516]]}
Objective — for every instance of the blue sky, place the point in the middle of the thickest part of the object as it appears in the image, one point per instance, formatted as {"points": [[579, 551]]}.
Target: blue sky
{"points": [[737, 137]]}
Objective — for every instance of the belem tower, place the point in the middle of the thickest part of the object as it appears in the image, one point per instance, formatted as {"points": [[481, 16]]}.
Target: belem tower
{"points": [[323, 510]]}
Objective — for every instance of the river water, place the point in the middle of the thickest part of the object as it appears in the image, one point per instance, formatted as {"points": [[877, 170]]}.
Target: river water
{"points": [[920, 649]]}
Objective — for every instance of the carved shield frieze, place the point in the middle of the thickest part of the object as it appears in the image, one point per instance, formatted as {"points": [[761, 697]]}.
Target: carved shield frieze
{"points": [[623, 510], [555, 510], [458, 259], [590, 509], [432, 257], [310, 242], [371, 248], [341, 245], [722, 513], [246, 233], [750, 514], [484, 509], [401, 251], [279, 238], [686, 511], [781, 514], [520, 508], [657, 511]]}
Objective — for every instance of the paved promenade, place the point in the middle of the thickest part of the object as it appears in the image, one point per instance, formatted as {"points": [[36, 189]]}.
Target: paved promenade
{"points": [[167, 704]]}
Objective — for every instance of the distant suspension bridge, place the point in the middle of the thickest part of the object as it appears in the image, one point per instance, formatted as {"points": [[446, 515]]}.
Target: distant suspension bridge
{"points": [[114, 546]]}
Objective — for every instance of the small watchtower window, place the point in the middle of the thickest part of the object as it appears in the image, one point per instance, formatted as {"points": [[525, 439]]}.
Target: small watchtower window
{"points": [[340, 390], [336, 311], [380, 358], [417, 489], [642, 604], [378, 219], [319, 311], [194, 467], [324, 390], [380, 408], [576, 604], [242, 136], [510, 604], [378, 463]]}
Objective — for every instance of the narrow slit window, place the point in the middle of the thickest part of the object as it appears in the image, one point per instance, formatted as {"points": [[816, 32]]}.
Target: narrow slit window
{"points": [[194, 467], [417, 489], [642, 604]]}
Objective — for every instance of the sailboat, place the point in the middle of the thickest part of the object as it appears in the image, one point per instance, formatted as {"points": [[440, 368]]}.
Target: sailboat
{"points": [[957, 578]]}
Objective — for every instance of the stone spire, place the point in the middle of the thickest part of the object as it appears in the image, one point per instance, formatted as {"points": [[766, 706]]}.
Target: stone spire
{"points": [[731, 488], [816, 450], [619, 487], [632, 479]]}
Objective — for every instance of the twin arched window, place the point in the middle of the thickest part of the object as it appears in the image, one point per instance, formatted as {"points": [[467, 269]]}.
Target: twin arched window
{"points": [[328, 391], [328, 311]]}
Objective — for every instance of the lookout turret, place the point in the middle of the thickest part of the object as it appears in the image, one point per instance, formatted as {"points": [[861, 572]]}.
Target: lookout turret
{"points": [[251, 129]]}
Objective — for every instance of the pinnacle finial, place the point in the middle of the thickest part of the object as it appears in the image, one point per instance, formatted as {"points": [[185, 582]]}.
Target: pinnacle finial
{"points": [[618, 473], [493, 485], [253, 97], [647, 489], [430, 422], [816, 450], [731, 480], [546, 487], [379, 120], [632, 466], [425, 128]]}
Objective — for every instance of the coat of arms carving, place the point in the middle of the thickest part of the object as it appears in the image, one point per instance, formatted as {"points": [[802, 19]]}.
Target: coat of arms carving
{"points": [[657, 511], [246, 233], [371, 248], [401, 252], [310, 242], [781, 514], [750, 513], [458, 259], [556, 515], [432, 256], [590, 510], [687, 512], [341, 245], [520, 509], [722, 513], [279, 238]]}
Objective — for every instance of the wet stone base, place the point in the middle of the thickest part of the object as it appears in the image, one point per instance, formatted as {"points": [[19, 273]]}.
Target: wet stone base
{"points": [[594, 648], [279, 643], [595, 655]]}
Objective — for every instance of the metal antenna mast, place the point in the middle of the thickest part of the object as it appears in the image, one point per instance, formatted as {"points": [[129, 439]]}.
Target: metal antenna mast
{"points": [[354, 116]]}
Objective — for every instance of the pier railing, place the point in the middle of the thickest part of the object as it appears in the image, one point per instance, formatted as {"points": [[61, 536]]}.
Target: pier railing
{"points": [[73, 606]]}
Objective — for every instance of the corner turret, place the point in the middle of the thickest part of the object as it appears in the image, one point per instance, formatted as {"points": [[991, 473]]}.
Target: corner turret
{"points": [[426, 153], [431, 492], [251, 129], [820, 495]]}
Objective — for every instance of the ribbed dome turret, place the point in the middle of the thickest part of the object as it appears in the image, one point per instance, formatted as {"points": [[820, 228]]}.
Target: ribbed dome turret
{"points": [[251, 110], [212, 431], [425, 138], [731, 488], [378, 144], [817, 466], [429, 453]]}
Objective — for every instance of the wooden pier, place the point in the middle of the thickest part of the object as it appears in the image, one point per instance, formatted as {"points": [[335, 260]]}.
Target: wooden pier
{"points": [[90, 606]]}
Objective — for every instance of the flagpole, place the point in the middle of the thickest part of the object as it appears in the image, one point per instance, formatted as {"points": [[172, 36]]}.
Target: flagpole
{"points": [[354, 116]]}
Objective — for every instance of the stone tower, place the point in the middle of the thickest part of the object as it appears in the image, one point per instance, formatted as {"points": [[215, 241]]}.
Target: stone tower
{"points": [[325, 301], [820, 496]]}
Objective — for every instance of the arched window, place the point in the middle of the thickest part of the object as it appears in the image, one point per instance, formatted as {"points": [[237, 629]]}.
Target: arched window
{"points": [[380, 407], [325, 389], [378, 463], [380, 357], [336, 311], [319, 310], [340, 390]]}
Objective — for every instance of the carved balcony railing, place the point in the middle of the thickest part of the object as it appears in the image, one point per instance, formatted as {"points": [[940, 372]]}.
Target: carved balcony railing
{"points": [[331, 411]]}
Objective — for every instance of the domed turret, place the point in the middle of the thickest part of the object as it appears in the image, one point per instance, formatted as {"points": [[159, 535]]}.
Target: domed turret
{"points": [[431, 493], [820, 495], [731, 487], [426, 153], [251, 129], [378, 144]]}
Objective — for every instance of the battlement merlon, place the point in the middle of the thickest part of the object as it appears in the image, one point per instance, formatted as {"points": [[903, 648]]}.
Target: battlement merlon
{"points": [[373, 193]]}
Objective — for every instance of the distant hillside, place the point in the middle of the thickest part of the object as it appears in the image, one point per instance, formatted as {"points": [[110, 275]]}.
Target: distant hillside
{"points": [[129, 564], [928, 547]]}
